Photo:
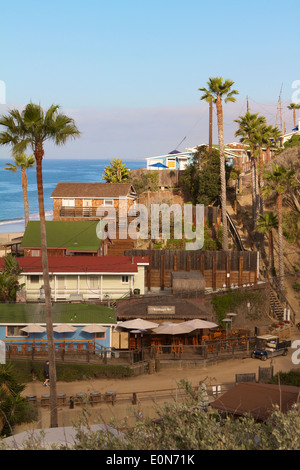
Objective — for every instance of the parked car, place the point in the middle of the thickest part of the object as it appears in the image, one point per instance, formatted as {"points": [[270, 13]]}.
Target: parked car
{"points": [[269, 346]]}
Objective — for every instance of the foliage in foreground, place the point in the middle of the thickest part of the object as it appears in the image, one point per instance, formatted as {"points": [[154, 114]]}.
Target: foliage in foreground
{"points": [[14, 409], [188, 426]]}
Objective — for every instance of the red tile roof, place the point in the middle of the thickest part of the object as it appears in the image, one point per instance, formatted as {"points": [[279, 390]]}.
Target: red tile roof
{"points": [[82, 264]]}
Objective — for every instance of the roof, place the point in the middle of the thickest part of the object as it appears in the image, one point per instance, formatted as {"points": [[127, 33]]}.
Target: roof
{"points": [[92, 190], [73, 313], [82, 264], [257, 399], [66, 436], [185, 309], [69, 235]]}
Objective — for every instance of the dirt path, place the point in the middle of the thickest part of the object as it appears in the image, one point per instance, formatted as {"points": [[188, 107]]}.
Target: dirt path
{"points": [[168, 378]]}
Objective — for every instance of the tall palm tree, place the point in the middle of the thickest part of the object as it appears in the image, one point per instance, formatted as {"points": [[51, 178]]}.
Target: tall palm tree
{"points": [[216, 91], [249, 128], [276, 182], [23, 162], [32, 128], [265, 225], [293, 107]]}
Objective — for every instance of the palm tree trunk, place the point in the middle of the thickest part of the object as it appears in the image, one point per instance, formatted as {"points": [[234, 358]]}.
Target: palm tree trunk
{"points": [[38, 153], [253, 189], [256, 191], [25, 196], [210, 126], [271, 253], [280, 242], [222, 172]]}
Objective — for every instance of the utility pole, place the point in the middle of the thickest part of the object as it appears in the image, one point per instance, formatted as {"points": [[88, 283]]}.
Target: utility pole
{"points": [[279, 110], [247, 104]]}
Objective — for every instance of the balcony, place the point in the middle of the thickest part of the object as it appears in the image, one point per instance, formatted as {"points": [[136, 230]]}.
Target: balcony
{"points": [[78, 212]]}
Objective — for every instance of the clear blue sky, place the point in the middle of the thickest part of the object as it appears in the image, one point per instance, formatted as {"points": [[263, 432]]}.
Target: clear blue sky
{"points": [[129, 71]]}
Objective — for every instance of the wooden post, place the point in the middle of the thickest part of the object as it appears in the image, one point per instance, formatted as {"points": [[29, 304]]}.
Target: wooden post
{"points": [[214, 270], [175, 263], [162, 272], [228, 266], [202, 265], [188, 263], [241, 262], [149, 276]]}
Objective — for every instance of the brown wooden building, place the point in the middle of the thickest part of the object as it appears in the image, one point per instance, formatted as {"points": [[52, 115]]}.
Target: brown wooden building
{"points": [[80, 201], [218, 268]]}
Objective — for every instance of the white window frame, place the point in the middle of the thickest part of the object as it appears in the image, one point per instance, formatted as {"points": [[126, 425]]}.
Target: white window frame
{"points": [[68, 202], [110, 201], [125, 281]]}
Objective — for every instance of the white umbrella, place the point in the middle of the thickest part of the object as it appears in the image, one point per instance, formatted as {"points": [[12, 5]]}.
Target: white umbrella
{"points": [[198, 324], [34, 328], [173, 329], [64, 328], [94, 329], [138, 324]]}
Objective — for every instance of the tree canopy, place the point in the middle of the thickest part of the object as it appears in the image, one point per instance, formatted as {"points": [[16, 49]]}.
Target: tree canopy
{"points": [[115, 172]]}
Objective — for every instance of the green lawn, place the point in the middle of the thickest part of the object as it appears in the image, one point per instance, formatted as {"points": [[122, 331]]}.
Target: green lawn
{"points": [[61, 313]]}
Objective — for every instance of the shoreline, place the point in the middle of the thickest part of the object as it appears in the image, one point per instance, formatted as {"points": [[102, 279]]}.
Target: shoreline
{"points": [[18, 225]]}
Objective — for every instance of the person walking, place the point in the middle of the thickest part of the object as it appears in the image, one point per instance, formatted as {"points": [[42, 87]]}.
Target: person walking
{"points": [[46, 374]]}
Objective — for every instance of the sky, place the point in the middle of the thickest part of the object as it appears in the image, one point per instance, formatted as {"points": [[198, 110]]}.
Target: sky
{"points": [[129, 71]]}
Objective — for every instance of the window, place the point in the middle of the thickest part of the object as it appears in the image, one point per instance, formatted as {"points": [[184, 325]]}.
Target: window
{"points": [[87, 202], [93, 282], [125, 279], [34, 279], [13, 331], [108, 202], [68, 202], [35, 253], [100, 335]]}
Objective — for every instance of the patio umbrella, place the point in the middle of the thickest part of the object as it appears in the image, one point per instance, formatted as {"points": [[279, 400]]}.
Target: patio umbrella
{"points": [[198, 324], [34, 328], [159, 165], [94, 329], [138, 324], [64, 328], [173, 329]]}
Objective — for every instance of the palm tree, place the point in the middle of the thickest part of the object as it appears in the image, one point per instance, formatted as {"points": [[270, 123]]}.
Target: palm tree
{"points": [[265, 225], [33, 127], [23, 162], [293, 107], [216, 91], [249, 128], [276, 182]]}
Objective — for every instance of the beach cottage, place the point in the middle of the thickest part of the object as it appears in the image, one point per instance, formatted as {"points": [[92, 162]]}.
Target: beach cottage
{"points": [[22, 325], [69, 238], [79, 201], [83, 278]]}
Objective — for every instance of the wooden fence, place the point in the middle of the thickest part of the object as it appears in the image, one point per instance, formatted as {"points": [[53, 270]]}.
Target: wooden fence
{"points": [[219, 268]]}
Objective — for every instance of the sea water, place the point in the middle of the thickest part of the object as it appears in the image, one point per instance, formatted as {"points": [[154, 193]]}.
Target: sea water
{"points": [[54, 171]]}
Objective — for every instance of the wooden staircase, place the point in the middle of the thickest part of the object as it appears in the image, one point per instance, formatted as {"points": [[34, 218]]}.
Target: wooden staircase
{"points": [[276, 308]]}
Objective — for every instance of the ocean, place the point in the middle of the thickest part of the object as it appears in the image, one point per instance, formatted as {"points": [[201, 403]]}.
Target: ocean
{"points": [[54, 171]]}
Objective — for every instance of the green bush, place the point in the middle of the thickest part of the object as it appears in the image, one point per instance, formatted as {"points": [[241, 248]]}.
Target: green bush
{"points": [[26, 371], [287, 378]]}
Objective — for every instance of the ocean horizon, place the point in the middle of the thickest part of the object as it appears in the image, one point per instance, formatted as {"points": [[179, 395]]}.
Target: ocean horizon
{"points": [[54, 171]]}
